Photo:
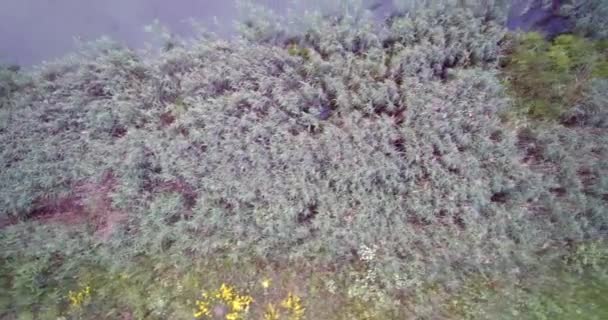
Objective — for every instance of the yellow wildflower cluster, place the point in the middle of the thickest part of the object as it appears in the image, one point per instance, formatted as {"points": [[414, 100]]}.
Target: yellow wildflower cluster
{"points": [[202, 309], [293, 305], [77, 298], [271, 313], [227, 295]]}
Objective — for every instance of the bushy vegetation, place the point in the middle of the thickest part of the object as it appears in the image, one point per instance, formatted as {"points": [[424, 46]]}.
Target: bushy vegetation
{"points": [[10, 82], [373, 159], [551, 78], [590, 17]]}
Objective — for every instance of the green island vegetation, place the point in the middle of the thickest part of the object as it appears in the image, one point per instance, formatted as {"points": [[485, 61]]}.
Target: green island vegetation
{"points": [[435, 166]]}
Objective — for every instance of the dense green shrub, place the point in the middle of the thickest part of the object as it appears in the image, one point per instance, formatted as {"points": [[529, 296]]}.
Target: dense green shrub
{"points": [[592, 110], [50, 133], [549, 78], [11, 80]]}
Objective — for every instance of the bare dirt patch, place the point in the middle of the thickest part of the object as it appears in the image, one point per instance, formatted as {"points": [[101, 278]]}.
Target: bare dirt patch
{"points": [[88, 203]]}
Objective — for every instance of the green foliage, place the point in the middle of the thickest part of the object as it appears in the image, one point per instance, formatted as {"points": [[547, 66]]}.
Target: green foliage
{"points": [[554, 295], [575, 290], [549, 78], [592, 110], [589, 255], [11, 80], [295, 50]]}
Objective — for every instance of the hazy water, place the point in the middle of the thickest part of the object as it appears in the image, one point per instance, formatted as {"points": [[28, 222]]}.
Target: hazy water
{"points": [[36, 30]]}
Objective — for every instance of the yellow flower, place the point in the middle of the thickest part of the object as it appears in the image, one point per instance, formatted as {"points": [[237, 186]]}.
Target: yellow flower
{"points": [[271, 313], [73, 298], [293, 303], [266, 283], [225, 293], [228, 296], [233, 316], [202, 310], [241, 303], [77, 298]]}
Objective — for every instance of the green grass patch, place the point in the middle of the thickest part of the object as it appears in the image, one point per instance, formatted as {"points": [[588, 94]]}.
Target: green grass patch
{"points": [[549, 77]]}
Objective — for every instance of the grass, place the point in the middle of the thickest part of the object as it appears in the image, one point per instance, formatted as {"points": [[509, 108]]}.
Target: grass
{"points": [[157, 288]]}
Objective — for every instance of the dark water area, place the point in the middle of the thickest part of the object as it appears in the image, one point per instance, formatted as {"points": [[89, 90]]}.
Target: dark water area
{"points": [[528, 15]]}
